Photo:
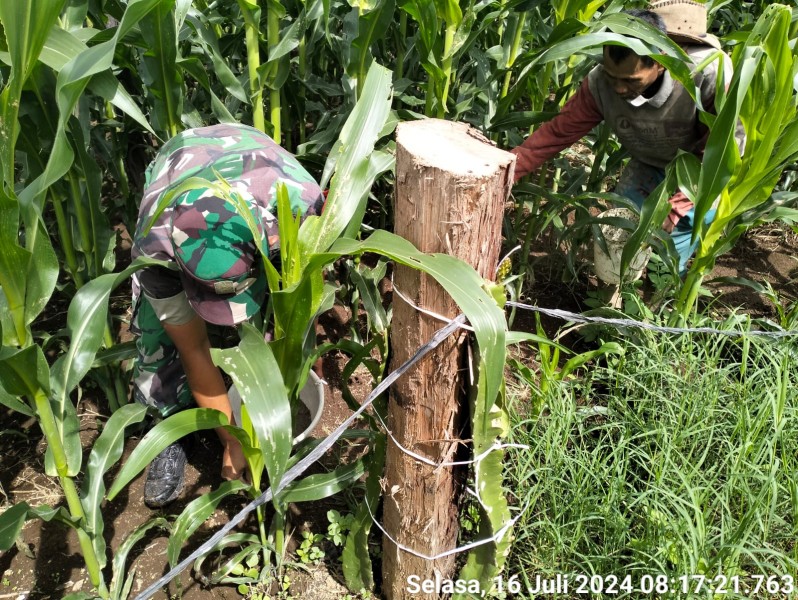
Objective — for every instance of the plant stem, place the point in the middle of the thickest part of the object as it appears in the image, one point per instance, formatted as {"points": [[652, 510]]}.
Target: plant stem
{"points": [[50, 430], [279, 534], [519, 30], [250, 10], [303, 70], [273, 32], [84, 224], [119, 384], [502, 21], [65, 235], [263, 537], [124, 184], [447, 69], [400, 54], [687, 297], [555, 181]]}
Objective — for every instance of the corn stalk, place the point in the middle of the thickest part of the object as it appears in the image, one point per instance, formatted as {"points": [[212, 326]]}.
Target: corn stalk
{"points": [[251, 12], [765, 67], [269, 375]]}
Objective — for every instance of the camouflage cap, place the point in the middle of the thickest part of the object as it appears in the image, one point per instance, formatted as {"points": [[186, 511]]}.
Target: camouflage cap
{"points": [[219, 262]]}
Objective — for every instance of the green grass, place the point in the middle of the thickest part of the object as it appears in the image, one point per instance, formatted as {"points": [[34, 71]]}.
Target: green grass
{"points": [[687, 466]]}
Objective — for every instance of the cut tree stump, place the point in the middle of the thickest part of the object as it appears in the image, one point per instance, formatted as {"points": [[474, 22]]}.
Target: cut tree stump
{"points": [[451, 186]]}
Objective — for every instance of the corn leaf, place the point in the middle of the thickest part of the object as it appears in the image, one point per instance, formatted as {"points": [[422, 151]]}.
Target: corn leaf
{"points": [[14, 403], [62, 46], [11, 521], [294, 310], [323, 485], [160, 71], [351, 161], [721, 155], [118, 580], [25, 372], [766, 67], [647, 41], [104, 454], [26, 26], [86, 319], [356, 561], [486, 561], [379, 162], [258, 379], [195, 514], [72, 81], [196, 69], [162, 435], [653, 213], [367, 281], [14, 261], [364, 29], [204, 36], [102, 236], [42, 273]]}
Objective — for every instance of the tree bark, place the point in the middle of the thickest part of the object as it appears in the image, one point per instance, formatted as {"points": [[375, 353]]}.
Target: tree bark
{"points": [[451, 186]]}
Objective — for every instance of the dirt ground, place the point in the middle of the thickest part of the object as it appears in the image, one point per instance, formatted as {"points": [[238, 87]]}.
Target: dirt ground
{"points": [[764, 254], [47, 563]]}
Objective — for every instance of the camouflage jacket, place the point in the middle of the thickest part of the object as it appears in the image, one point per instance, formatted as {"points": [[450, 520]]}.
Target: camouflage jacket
{"points": [[249, 160]]}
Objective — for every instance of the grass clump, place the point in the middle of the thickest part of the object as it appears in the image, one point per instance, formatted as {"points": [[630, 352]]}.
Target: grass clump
{"points": [[677, 458]]}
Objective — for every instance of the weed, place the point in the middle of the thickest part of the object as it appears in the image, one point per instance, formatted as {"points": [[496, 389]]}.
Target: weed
{"points": [[339, 526], [308, 551], [683, 464]]}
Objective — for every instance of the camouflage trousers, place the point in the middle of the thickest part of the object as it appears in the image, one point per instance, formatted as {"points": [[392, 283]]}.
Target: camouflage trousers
{"points": [[158, 377]]}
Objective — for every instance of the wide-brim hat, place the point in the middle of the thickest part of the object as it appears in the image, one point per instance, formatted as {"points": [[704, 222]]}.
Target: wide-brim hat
{"points": [[219, 262], [685, 21]]}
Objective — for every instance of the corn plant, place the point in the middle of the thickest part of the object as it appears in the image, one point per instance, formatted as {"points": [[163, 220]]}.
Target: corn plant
{"points": [[30, 386], [438, 53], [765, 67], [55, 160], [536, 206], [269, 375]]}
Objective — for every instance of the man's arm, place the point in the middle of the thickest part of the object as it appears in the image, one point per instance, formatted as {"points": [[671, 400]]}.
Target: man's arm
{"points": [[207, 385], [576, 119]]}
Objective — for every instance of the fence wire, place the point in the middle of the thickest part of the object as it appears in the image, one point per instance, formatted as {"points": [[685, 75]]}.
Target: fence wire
{"points": [[453, 324], [577, 318], [306, 462]]}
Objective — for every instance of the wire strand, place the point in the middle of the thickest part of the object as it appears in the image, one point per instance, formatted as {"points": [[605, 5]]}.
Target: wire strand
{"points": [[576, 318]]}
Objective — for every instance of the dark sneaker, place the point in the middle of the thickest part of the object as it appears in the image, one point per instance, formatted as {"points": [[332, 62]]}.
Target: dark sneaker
{"points": [[165, 476]]}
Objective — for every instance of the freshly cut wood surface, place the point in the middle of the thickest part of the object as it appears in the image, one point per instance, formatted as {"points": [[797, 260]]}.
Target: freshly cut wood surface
{"points": [[456, 148]]}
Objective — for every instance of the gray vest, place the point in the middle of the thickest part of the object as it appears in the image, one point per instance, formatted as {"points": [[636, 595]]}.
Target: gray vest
{"points": [[654, 132]]}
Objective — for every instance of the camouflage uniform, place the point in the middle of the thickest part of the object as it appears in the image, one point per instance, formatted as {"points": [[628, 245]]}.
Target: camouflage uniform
{"points": [[202, 234]]}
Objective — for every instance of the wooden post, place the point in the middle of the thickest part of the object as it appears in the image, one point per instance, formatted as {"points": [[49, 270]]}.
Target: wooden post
{"points": [[451, 186]]}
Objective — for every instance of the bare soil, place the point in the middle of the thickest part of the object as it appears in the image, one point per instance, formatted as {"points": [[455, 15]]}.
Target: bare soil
{"points": [[766, 254], [47, 562]]}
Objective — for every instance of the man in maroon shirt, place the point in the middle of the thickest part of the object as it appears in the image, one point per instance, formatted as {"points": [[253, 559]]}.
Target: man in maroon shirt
{"points": [[652, 115]]}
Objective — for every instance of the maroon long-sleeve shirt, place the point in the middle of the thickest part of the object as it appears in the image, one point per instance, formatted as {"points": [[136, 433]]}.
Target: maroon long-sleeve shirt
{"points": [[653, 133]]}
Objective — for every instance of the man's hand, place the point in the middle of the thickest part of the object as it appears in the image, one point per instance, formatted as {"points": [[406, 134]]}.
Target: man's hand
{"points": [[207, 386], [519, 170], [680, 206], [234, 465]]}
